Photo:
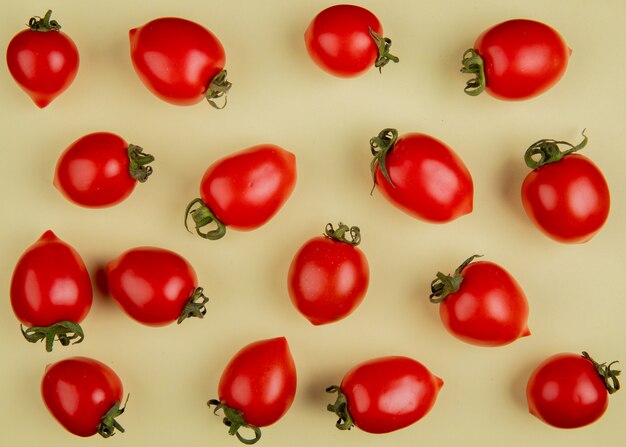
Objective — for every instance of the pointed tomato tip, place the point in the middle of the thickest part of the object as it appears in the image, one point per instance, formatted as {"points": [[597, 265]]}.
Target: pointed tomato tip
{"points": [[439, 381], [132, 33], [41, 103], [525, 332], [48, 235]]}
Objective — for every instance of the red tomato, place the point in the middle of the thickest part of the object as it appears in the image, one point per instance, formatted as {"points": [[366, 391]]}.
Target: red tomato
{"points": [[345, 40], [43, 60], [101, 169], [51, 291], [570, 391], [385, 394], [422, 176], [257, 387], [155, 286], [179, 61], [244, 190], [84, 395], [329, 275], [481, 304], [566, 196], [517, 59]]}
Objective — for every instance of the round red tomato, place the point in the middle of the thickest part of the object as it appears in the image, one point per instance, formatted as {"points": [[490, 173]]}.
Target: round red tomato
{"points": [[345, 40], [155, 286], [385, 394], [570, 390], [481, 304], [43, 60], [566, 196], [51, 292], [422, 176], [257, 387], [101, 169], [179, 61], [244, 190], [517, 59], [329, 275], [84, 395]]}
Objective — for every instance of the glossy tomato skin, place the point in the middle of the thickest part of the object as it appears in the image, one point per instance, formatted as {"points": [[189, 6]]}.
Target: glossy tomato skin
{"points": [[151, 284], [246, 189], [79, 391], [431, 182], [489, 309], [260, 381], [44, 64], [50, 284], [522, 58], [566, 391], [568, 200], [176, 59], [389, 393], [328, 279], [339, 42]]}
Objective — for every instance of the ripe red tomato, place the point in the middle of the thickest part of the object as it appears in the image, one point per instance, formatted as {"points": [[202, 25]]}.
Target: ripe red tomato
{"points": [[566, 196], [43, 60], [422, 176], [179, 61], [384, 394], [84, 395], [51, 292], [257, 387], [517, 59], [329, 275], [101, 169], [345, 40], [155, 286], [481, 304], [570, 391], [244, 190]]}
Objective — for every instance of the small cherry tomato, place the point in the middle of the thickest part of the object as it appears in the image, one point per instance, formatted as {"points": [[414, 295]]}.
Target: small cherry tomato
{"points": [[257, 387], [517, 59], [43, 60], [421, 176], [243, 190], [570, 390], [101, 169], [84, 395], [565, 195], [329, 275], [51, 292], [384, 394], [155, 286], [481, 304], [346, 41], [179, 61]]}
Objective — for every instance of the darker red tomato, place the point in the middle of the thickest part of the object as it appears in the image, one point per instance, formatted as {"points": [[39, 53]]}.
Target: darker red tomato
{"points": [[43, 60], [566, 196], [517, 59], [345, 40], [244, 190], [329, 275], [51, 291], [155, 286], [385, 394], [257, 386], [101, 169], [481, 304], [570, 390], [84, 395], [422, 176], [179, 61]]}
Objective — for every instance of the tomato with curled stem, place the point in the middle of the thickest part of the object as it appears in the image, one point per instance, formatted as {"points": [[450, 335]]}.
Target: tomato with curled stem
{"points": [[51, 292], [384, 394], [571, 390], [257, 387]]}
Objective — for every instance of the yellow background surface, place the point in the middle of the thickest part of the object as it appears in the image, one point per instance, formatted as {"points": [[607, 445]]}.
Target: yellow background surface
{"points": [[576, 292]]}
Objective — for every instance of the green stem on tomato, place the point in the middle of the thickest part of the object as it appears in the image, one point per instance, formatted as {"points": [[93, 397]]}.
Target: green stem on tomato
{"points": [[608, 375], [63, 331], [384, 56], [43, 25], [108, 423], [341, 233], [195, 307], [474, 64], [340, 408], [549, 151], [444, 285], [203, 216], [380, 145], [138, 163], [234, 420], [218, 88]]}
